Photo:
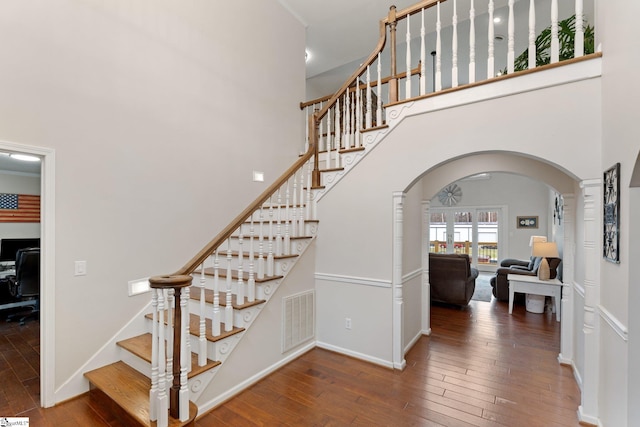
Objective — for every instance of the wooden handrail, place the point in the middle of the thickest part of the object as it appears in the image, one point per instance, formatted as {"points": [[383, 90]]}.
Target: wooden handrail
{"points": [[373, 83], [215, 243]]}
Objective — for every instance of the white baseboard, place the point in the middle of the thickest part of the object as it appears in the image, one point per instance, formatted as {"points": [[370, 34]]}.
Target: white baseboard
{"points": [[208, 406], [584, 418], [355, 354]]}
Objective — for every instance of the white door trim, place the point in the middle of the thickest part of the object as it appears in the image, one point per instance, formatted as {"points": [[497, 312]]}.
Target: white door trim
{"points": [[47, 262]]}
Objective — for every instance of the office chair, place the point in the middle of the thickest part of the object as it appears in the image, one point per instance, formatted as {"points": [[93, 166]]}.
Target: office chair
{"points": [[26, 286]]}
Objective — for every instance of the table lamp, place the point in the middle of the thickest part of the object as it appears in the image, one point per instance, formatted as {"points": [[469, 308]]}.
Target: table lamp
{"points": [[544, 250], [537, 239]]}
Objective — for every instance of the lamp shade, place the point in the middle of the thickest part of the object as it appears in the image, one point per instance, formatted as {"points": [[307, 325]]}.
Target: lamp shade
{"points": [[545, 249], [537, 239]]}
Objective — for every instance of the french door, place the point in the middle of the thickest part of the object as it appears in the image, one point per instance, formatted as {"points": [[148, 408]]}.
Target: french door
{"points": [[472, 231]]}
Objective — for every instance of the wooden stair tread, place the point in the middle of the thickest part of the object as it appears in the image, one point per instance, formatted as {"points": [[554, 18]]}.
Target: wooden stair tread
{"points": [[208, 297], [274, 221], [235, 236], [129, 389], [222, 273], [194, 327], [351, 150], [141, 347]]}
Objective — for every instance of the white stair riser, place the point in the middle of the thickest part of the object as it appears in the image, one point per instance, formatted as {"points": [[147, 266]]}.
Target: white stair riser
{"points": [[292, 227]]}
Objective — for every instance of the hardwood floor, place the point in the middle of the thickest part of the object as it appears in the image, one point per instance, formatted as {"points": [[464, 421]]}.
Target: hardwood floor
{"points": [[479, 367]]}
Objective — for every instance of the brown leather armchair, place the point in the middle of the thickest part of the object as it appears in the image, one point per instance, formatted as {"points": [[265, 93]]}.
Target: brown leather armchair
{"points": [[452, 278]]}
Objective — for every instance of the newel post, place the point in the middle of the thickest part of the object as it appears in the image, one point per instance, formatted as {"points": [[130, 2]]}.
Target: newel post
{"points": [[393, 82], [176, 398], [313, 139]]}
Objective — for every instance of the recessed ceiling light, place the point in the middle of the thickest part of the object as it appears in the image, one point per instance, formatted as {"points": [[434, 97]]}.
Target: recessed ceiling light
{"points": [[497, 20], [25, 157]]}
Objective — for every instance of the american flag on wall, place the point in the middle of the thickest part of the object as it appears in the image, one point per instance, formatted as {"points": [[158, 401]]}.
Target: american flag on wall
{"points": [[19, 208]]}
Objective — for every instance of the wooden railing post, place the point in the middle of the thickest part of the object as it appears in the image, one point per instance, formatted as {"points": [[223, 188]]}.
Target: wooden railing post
{"points": [[393, 83], [176, 282]]}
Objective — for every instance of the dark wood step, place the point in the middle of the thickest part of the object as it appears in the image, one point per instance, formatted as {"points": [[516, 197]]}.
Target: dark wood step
{"points": [[128, 391], [194, 327], [208, 297], [141, 347]]}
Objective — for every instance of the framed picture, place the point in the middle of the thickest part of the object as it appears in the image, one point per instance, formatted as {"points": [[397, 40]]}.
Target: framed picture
{"points": [[611, 214], [527, 222]]}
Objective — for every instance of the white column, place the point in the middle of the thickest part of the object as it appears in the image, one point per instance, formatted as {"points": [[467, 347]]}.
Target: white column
{"points": [[567, 332], [396, 282], [592, 194], [426, 289]]}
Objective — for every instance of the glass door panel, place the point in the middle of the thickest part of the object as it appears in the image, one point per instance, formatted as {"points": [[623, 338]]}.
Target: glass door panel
{"points": [[488, 226]]}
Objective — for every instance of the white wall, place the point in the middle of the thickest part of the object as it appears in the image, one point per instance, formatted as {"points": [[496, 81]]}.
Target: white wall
{"points": [[13, 183], [153, 109], [358, 212], [621, 142]]}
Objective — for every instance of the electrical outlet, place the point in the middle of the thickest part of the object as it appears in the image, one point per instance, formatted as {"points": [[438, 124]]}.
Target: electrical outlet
{"points": [[347, 323]]}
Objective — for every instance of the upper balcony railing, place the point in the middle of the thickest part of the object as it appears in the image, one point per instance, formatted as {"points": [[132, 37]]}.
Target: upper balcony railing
{"points": [[464, 48]]}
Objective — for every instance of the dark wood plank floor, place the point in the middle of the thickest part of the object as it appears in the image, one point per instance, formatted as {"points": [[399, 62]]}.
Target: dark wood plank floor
{"points": [[480, 367]]}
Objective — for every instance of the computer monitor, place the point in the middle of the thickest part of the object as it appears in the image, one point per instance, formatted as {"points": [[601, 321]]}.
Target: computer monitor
{"points": [[9, 247]]}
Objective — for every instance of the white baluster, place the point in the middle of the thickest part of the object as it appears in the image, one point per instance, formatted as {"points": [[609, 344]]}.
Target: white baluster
{"points": [[162, 406], [169, 298], [472, 43], [185, 356], [310, 211], [261, 245], [294, 207], [278, 239], [579, 43], [215, 321], [228, 309], [185, 325], [532, 34], [251, 283], [510, 40], [336, 136], [240, 283], [346, 124], [270, 257], [407, 83], [329, 139], [369, 114], [379, 103], [555, 42], [301, 210], [286, 243], [306, 128], [454, 47], [321, 140], [423, 56], [202, 338], [438, 50], [153, 393], [358, 116], [491, 59]]}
